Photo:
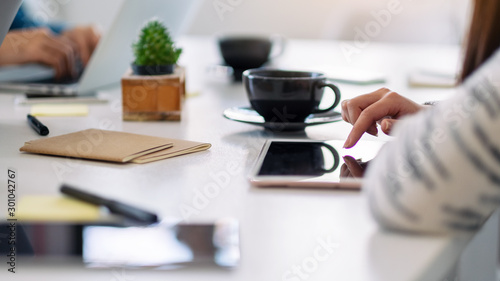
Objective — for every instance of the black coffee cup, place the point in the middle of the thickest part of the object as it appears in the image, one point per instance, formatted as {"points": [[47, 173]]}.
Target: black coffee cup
{"points": [[287, 96], [246, 52]]}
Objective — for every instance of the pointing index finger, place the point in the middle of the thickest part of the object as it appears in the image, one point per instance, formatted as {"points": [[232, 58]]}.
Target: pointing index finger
{"points": [[365, 121]]}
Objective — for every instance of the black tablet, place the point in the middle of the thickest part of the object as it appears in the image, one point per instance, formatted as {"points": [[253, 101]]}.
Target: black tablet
{"points": [[306, 163]]}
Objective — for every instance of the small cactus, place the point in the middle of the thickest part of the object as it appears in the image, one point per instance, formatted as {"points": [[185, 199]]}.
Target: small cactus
{"points": [[155, 46]]}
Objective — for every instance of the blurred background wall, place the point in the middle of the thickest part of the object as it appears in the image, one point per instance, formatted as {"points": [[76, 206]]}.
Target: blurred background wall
{"points": [[425, 21]]}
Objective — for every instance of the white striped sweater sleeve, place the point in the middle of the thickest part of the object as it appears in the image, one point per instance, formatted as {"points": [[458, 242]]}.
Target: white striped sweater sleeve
{"points": [[442, 172]]}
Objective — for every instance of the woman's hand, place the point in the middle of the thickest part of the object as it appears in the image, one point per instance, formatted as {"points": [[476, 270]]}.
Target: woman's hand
{"points": [[85, 38], [39, 45], [382, 106]]}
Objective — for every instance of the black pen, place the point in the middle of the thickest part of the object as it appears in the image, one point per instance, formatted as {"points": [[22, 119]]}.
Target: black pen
{"points": [[40, 128], [113, 206]]}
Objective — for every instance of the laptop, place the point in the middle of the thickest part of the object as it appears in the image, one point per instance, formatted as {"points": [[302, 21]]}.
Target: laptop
{"points": [[8, 10], [112, 56]]}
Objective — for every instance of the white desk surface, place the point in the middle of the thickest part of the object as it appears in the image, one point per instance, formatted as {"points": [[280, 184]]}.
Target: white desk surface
{"points": [[279, 228]]}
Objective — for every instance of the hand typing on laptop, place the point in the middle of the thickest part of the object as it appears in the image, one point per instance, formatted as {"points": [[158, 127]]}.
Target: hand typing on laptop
{"points": [[41, 45], [85, 38]]}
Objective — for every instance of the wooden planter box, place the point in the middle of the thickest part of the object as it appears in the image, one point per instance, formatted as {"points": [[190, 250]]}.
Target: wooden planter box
{"points": [[157, 97]]}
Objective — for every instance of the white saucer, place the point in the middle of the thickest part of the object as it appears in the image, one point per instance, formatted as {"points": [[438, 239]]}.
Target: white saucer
{"points": [[249, 116]]}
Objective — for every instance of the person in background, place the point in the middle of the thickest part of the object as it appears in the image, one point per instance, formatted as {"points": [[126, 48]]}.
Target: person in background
{"points": [[442, 172], [64, 49]]}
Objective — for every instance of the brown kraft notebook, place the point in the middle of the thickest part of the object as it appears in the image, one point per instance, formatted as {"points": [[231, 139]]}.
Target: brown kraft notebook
{"points": [[113, 146], [98, 145]]}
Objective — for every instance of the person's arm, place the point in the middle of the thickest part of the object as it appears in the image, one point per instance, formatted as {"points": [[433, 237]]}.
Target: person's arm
{"points": [[23, 20], [442, 172]]}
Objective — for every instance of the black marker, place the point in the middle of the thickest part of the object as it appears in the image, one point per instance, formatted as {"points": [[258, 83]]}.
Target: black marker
{"points": [[41, 129], [113, 206]]}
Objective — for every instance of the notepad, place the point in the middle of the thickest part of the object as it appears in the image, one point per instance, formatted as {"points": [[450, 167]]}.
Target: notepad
{"points": [[60, 110], [113, 146], [55, 208]]}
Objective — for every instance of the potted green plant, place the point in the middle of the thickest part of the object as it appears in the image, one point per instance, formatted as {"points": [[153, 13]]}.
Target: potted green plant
{"points": [[147, 93], [155, 52]]}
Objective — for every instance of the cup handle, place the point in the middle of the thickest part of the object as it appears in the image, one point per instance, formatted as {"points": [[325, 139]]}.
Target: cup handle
{"points": [[337, 97], [278, 46], [336, 158]]}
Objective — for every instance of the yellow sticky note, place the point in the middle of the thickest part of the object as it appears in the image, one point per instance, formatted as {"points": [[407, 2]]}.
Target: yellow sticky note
{"points": [[192, 94], [55, 209], [59, 110]]}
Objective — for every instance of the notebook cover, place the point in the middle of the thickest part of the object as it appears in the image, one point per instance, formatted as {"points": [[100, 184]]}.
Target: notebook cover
{"points": [[180, 147], [98, 145]]}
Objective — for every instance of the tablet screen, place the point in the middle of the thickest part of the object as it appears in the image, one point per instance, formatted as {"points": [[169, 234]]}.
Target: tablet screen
{"points": [[313, 161]]}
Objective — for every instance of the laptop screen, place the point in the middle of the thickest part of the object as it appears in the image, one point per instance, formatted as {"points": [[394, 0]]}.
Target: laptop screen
{"points": [[8, 10]]}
